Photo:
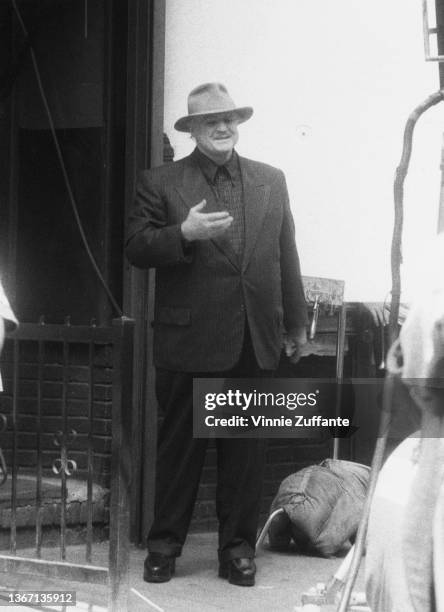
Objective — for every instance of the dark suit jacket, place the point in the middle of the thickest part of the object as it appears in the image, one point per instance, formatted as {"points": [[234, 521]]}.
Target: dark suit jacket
{"points": [[203, 293]]}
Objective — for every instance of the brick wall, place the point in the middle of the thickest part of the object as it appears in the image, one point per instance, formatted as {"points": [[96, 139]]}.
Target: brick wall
{"points": [[77, 396]]}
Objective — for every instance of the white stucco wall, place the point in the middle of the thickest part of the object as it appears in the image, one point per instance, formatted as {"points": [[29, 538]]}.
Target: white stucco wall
{"points": [[332, 83]]}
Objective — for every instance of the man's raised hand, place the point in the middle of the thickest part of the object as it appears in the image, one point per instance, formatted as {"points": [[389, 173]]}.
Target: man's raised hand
{"points": [[202, 226]]}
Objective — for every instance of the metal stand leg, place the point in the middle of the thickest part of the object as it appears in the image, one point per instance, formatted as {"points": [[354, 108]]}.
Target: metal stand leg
{"points": [[340, 350], [265, 528]]}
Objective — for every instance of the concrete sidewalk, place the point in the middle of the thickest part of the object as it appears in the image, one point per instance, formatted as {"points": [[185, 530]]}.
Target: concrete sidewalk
{"points": [[281, 579]]}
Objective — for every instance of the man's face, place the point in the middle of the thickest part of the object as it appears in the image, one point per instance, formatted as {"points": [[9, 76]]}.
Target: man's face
{"points": [[216, 136]]}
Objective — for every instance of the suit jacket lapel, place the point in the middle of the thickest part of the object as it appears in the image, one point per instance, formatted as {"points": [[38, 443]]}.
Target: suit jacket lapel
{"points": [[193, 190], [256, 201]]}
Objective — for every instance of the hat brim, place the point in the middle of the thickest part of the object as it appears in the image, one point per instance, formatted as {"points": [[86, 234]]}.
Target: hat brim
{"points": [[243, 114]]}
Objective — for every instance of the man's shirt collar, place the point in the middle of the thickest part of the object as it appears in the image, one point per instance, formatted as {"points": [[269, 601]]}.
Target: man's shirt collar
{"points": [[209, 167]]}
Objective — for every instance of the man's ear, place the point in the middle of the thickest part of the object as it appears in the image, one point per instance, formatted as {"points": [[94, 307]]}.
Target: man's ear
{"points": [[395, 358]]}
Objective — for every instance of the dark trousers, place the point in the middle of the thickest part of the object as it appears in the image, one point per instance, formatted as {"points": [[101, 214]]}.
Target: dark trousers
{"points": [[180, 458]]}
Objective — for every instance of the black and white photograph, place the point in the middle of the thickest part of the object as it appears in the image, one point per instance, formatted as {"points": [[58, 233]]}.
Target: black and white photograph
{"points": [[222, 305]]}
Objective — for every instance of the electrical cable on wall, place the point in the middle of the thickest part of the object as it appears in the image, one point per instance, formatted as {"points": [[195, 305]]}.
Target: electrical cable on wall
{"points": [[63, 167]]}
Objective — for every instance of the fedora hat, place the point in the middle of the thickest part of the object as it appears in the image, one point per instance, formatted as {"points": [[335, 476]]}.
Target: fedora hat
{"points": [[211, 99]]}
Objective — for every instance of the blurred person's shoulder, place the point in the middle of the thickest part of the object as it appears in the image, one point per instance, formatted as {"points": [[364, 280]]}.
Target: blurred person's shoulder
{"points": [[6, 311]]}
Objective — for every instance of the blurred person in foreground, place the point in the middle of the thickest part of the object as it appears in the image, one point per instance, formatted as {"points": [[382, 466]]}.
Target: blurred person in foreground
{"points": [[405, 542]]}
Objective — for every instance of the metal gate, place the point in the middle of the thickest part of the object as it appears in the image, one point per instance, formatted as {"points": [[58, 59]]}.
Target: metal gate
{"points": [[93, 363]]}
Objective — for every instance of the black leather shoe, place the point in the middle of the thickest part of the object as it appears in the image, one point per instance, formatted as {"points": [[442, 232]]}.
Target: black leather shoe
{"points": [[158, 567], [240, 572]]}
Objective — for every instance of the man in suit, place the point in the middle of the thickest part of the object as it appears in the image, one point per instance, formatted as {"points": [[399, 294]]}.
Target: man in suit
{"points": [[218, 229]]}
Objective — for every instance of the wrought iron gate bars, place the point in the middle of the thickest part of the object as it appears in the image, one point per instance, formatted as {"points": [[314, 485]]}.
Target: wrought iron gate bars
{"points": [[120, 336]]}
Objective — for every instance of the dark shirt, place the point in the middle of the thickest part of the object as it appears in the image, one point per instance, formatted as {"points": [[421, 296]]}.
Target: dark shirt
{"points": [[226, 182], [210, 168]]}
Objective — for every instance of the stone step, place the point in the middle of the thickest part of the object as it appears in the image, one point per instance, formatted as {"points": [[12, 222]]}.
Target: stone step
{"points": [[51, 509]]}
